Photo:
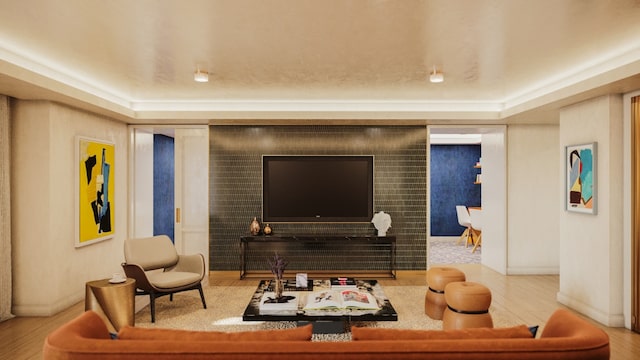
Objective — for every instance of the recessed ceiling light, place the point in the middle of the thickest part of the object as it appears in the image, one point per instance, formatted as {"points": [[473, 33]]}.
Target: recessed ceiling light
{"points": [[436, 77], [201, 75]]}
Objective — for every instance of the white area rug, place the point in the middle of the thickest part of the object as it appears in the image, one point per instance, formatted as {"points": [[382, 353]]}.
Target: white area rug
{"points": [[444, 250], [227, 303]]}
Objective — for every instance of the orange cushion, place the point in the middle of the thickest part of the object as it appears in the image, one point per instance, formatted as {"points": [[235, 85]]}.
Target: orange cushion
{"points": [[302, 333], [362, 333]]}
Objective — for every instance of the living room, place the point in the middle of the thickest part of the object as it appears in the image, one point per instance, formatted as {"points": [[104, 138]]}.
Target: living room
{"points": [[536, 236]]}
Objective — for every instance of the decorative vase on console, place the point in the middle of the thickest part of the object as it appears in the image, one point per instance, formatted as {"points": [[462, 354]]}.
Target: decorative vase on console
{"points": [[278, 264], [254, 228]]}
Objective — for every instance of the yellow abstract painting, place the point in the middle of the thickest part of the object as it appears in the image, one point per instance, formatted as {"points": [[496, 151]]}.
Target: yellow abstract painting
{"points": [[96, 189]]}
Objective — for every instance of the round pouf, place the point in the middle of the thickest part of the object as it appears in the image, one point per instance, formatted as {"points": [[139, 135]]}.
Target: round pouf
{"points": [[467, 306], [437, 279]]}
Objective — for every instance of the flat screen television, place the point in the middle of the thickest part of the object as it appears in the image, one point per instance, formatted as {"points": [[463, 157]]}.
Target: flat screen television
{"points": [[317, 189]]}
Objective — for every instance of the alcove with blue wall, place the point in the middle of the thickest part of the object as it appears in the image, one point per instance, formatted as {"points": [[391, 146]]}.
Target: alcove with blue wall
{"points": [[452, 183], [163, 185]]}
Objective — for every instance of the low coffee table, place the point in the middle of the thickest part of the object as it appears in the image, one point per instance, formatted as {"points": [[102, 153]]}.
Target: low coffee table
{"points": [[323, 320]]}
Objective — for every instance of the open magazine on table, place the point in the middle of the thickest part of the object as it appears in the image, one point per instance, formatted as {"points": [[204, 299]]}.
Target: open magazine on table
{"points": [[341, 299]]}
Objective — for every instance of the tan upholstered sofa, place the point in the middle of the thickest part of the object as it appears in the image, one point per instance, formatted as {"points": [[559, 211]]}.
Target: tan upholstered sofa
{"points": [[565, 336]]}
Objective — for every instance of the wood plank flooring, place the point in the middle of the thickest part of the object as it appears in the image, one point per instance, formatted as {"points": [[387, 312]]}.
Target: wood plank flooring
{"points": [[530, 299]]}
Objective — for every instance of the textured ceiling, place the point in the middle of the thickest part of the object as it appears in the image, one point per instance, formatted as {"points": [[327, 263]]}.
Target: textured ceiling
{"points": [[137, 58]]}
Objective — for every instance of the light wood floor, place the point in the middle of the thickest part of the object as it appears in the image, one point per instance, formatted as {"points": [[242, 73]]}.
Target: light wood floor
{"points": [[529, 299]]}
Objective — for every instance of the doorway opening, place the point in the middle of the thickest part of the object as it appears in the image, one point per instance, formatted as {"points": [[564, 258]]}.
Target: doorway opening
{"points": [[170, 187], [486, 172], [455, 180]]}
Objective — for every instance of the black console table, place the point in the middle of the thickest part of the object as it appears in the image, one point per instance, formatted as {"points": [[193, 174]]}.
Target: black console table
{"points": [[344, 249]]}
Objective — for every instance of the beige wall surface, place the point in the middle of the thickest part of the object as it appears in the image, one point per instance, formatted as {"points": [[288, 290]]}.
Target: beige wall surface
{"points": [[591, 259], [49, 272], [534, 198]]}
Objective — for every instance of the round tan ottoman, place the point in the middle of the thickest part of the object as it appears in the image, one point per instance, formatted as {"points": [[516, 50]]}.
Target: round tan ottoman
{"points": [[437, 279], [467, 306]]}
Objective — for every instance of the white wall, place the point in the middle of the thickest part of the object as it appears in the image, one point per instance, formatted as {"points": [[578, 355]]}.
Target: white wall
{"points": [[494, 199], [591, 259], [49, 272], [533, 200], [141, 183]]}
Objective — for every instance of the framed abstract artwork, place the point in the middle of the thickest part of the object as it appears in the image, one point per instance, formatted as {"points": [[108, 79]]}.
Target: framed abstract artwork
{"points": [[95, 191], [580, 188]]}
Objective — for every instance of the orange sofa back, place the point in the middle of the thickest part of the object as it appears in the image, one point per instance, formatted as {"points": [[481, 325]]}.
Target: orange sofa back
{"points": [[565, 336]]}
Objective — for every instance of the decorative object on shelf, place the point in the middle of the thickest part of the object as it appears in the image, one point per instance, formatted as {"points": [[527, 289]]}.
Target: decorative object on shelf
{"points": [[254, 228], [278, 265], [267, 229], [382, 222], [580, 187]]}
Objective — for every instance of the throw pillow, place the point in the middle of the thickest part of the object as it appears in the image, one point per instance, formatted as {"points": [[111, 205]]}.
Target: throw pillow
{"points": [[362, 333], [302, 333]]}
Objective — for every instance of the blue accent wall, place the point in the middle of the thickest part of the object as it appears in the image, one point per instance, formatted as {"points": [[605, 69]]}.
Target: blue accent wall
{"points": [[452, 183], [163, 186]]}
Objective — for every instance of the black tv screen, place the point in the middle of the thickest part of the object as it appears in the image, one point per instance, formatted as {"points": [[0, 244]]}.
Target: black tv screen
{"points": [[317, 188]]}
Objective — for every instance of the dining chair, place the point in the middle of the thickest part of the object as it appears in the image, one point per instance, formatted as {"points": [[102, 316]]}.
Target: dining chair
{"points": [[464, 220], [476, 227]]}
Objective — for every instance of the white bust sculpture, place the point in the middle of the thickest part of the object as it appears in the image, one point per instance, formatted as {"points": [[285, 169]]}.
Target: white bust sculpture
{"points": [[382, 222]]}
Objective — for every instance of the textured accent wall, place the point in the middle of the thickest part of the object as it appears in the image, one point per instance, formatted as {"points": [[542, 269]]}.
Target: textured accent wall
{"points": [[163, 186], [452, 183], [236, 185]]}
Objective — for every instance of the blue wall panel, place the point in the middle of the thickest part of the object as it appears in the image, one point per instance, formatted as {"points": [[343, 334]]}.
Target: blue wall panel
{"points": [[452, 183], [163, 186]]}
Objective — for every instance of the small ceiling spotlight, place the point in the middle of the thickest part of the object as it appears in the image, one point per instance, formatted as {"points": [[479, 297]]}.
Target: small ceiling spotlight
{"points": [[201, 75], [436, 77]]}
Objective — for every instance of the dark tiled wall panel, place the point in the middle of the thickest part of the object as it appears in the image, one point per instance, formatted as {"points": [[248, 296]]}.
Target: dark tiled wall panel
{"points": [[399, 189]]}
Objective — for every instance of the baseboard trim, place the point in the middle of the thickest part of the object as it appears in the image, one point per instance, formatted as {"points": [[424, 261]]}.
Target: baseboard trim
{"points": [[533, 270], [47, 309], [610, 320]]}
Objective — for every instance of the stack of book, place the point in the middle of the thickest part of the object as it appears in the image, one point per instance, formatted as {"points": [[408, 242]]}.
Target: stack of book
{"points": [[269, 304], [339, 283]]}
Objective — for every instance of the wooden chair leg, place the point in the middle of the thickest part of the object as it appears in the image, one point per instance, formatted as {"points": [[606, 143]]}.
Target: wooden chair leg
{"points": [[464, 236], [478, 243], [470, 240]]}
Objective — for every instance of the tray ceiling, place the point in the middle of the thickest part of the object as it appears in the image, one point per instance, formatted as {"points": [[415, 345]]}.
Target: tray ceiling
{"points": [[330, 58]]}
